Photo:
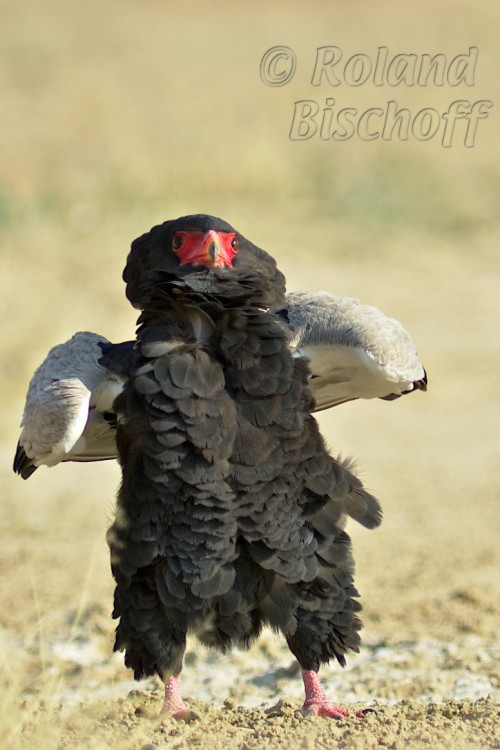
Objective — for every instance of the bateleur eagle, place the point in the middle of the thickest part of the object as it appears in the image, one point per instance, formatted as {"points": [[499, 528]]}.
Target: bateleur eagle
{"points": [[231, 512]]}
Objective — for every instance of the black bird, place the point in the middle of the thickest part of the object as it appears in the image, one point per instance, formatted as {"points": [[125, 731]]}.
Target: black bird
{"points": [[231, 513]]}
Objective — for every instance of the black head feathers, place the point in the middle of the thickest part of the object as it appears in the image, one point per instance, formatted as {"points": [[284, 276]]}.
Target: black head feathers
{"points": [[153, 261]]}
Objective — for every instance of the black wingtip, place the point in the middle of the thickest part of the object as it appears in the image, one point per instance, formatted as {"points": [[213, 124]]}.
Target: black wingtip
{"points": [[418, 385], [23, 465], [422, 383]]}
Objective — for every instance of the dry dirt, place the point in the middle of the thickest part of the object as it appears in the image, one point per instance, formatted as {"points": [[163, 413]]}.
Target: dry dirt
{"points": [[428, 578]]}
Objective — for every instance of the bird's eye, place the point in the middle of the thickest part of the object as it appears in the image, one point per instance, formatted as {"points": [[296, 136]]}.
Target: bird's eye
{"points": [[235, 244], [177, 241]]}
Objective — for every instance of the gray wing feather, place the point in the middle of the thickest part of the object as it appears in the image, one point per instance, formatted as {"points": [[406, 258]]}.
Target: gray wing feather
{"points": [[355, 351], [67, 404]]}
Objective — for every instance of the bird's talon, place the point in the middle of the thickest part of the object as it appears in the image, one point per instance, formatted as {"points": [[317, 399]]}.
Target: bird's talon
{"points": [[327, 710], [364, 711], [180, 714], [187, 716]]}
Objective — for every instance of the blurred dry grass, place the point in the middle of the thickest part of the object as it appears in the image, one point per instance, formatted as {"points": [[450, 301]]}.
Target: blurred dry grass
{"points": [[117, 117]]}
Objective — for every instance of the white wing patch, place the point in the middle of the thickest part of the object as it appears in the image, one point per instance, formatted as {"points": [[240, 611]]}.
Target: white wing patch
{"points": [[64, 415], [54, 419], [342, 373], [355, 351]]}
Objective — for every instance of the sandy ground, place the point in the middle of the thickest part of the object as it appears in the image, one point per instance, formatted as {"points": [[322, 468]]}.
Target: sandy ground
{"points": [[110, 127], [429, 663]]}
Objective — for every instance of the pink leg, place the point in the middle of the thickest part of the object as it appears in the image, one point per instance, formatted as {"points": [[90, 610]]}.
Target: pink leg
{"points": [[317, 702], [173, 705]]}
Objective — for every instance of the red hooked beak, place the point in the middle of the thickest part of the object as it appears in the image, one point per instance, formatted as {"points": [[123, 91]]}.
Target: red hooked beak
{"points": [[213, 249]]}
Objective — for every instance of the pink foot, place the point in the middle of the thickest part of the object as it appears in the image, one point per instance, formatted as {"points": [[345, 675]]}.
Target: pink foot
{"points": [[326, 708], [173, 705], [317, 702]]}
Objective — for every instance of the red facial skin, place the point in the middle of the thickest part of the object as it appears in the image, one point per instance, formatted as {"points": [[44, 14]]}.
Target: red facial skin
{"points": [[213, 249]]}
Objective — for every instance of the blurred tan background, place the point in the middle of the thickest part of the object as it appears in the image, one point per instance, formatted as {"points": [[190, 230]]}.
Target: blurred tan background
{"points": [[120, 115]]}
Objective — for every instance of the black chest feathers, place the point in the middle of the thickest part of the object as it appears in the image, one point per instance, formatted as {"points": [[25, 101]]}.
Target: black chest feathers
{"points": [[230, 512]]}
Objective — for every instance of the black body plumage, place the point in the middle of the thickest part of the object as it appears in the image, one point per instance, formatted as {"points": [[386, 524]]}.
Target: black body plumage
{"points": [[230, 513]]}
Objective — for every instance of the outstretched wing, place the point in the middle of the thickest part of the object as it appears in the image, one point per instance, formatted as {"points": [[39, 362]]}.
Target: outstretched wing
{"points": [[68, 413], [355, 351]]}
